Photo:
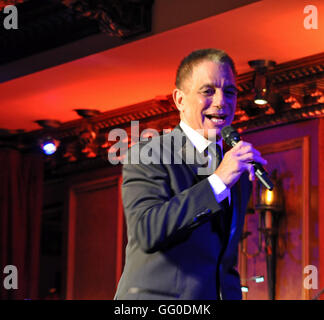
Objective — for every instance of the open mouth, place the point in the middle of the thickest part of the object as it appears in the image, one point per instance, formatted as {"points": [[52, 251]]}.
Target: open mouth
{"points": [[217, 118]]}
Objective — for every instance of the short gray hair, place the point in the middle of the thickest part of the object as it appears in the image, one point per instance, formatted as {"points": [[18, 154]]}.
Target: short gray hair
{"points": [[186, 66]]}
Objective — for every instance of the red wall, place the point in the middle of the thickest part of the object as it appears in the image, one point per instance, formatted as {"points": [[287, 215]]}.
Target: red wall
{"points": [[94, 230]]}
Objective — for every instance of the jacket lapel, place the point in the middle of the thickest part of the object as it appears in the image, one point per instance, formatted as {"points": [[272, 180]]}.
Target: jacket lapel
{"points": [[189, 154], [240, 192]]}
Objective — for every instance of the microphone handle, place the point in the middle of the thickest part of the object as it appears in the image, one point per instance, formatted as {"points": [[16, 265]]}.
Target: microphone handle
{"points": [[260, 173]]}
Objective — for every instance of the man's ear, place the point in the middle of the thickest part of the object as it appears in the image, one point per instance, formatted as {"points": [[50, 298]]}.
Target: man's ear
{"points": [[178, 98]]}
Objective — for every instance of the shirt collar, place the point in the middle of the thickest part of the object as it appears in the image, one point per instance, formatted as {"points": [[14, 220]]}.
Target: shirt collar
{"points": [[199, 141]]}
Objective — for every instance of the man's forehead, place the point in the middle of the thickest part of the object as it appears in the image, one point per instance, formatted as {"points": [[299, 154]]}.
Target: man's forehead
{"points": [[210, 68], [211, 72]]}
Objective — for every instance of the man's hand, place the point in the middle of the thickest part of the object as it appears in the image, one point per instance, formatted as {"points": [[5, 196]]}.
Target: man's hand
{"points": [[236, 161]]}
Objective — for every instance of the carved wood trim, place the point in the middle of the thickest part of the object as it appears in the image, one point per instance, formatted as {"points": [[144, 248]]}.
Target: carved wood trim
{"points": [[161, 113]]}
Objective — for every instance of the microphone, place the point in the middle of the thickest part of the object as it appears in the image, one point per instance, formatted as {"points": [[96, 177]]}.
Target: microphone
{"points": [[231, 138]]}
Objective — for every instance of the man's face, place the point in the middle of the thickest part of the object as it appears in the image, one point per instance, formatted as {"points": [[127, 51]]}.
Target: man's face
{"points": [[208, 100]]}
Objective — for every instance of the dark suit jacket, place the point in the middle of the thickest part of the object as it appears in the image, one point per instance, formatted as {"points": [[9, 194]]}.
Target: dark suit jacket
{"points": [[176, 247]]}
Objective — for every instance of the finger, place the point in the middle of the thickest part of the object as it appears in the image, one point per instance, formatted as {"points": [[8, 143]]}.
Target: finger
{"points": [[238, 146], [244, 144], [247, 148], [245, 157], [249, 168], [260, 160], [249, 157], [243, 166]]}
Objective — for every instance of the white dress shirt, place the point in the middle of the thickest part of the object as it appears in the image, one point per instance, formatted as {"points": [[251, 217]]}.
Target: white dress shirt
{"points": [[201, 143]]}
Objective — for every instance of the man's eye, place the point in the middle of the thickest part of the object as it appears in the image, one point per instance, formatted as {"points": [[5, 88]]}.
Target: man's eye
{"points": [[208, 91], [230, 93]]}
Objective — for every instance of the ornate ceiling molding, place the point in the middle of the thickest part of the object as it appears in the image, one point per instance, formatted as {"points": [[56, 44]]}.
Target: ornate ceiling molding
{"points": [[121, 18], [48, 24], [296, 94]]}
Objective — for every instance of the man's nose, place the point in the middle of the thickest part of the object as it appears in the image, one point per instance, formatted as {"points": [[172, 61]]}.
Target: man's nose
{"points": [[219, 98]]}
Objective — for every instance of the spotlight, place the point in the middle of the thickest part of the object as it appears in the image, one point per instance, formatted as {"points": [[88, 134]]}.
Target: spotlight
{"points": [[260, 97], [261, 82], [49, 146]]}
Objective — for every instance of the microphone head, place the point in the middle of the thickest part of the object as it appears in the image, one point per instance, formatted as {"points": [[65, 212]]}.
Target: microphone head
{"points": [[230, 135]]}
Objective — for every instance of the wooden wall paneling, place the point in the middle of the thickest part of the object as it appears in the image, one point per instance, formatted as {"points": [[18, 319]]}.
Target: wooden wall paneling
{"points": [[120, 250], [321, 205], [306, 210], [50, 276], [70, 248], [94, 231]]}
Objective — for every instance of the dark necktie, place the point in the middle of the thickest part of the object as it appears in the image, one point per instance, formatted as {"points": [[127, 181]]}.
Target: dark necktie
{"points": [[215, 156], [219, 156], [224, 220]]}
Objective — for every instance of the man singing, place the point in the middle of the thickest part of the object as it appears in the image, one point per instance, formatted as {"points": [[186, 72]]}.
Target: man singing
{"points": [[184, 225]]}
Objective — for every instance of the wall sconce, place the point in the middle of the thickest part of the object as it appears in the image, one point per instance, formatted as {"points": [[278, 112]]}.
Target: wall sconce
{"points": [[261, 81], [270, 206]]}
